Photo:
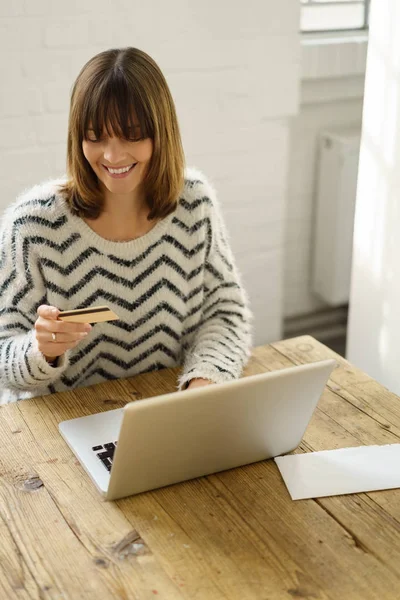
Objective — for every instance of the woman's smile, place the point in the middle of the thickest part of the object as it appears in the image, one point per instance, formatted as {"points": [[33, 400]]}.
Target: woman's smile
{"points": [[119, 172], [113, 158]]}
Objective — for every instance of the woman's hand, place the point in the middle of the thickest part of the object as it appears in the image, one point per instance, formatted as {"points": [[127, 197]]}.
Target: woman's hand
{"points": [[198, 382], [67, 335]]}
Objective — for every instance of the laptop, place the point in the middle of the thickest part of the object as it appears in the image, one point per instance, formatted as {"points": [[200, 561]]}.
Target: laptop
{"points": [[174, 437]]}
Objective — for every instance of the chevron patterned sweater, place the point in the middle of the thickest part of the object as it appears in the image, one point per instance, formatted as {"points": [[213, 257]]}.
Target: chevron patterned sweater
{"points": [[176, 290]]}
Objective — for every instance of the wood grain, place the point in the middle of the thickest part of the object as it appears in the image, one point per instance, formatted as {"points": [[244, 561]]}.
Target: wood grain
{"points": [[235, 534]]}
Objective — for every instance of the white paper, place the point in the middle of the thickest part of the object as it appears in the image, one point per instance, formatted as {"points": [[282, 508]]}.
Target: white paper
{"points": [[344, 471]]}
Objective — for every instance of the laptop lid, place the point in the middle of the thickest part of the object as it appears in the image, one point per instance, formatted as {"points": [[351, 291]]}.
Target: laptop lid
{"points": [[182, 435]]}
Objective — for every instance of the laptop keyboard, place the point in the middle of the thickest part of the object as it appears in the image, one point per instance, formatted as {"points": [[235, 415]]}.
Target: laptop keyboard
{"points": [[105, 453]]}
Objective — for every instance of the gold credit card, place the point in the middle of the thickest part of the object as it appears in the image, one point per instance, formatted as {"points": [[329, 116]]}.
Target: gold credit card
{"points": [[94, 314]]}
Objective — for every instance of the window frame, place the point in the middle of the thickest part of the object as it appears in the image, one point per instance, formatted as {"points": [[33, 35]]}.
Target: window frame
{"points": [[365, 26]]}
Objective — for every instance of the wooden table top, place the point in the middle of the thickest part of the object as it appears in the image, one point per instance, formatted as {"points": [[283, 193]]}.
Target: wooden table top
{"points": [[233, 535]]}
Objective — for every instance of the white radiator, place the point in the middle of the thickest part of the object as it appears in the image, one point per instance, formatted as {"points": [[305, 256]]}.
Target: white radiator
{"points": [[334, 220]]}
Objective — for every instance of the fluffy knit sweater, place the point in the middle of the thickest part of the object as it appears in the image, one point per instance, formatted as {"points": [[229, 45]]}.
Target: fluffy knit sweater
{"points": [[176, 291]]}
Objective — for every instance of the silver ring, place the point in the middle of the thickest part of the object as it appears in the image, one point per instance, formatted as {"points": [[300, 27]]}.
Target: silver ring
{"points": [[53, 335]]}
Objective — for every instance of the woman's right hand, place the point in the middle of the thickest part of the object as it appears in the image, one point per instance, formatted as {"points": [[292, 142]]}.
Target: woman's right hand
{"points": [[68, 335]]}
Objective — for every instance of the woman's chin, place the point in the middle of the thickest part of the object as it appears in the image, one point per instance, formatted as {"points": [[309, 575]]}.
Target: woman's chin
{"points": [[119, 186]]}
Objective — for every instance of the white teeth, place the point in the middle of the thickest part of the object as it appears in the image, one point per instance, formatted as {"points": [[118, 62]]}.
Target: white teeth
{"points": [[118, 171]]}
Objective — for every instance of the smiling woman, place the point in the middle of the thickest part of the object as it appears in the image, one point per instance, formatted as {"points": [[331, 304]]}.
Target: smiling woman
{"points": [[122, 113], [120, 166], [128, 228], [121, 155]]}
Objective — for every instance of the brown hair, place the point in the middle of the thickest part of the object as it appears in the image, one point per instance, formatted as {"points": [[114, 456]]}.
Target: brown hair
{"points": [[121, 89]]}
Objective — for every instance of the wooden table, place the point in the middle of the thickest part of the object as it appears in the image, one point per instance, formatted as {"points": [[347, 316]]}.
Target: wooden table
{"points": [[234, 535]]}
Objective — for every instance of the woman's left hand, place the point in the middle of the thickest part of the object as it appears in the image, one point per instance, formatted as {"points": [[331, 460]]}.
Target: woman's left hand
{"points": [[198, 382]]}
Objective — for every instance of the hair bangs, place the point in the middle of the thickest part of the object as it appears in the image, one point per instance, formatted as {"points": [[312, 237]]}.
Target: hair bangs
{"points": [[115, 107]]}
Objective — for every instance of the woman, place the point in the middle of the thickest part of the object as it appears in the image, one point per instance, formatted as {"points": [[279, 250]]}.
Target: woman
{"points": [[128, 228]]}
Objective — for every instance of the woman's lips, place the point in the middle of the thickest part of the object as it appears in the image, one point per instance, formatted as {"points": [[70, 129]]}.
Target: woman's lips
{"points": [[119, 175]]}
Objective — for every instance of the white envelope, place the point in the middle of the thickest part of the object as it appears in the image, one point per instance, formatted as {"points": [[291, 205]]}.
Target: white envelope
{"points": [[344, 471]]}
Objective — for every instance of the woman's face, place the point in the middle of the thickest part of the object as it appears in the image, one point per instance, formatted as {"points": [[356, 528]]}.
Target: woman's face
{"points": [[119, 164]]}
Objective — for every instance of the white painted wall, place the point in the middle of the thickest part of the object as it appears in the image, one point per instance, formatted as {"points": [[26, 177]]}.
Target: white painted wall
{"points": [[302, 185], [331, 95], [234, 73], [374, 321]]}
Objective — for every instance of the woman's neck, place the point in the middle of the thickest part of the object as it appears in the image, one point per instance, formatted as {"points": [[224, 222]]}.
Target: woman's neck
{"points": [[123, 218], [124, 206]]}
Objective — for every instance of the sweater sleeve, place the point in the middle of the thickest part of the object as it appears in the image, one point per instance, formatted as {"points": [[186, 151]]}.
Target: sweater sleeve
{"points": [[222, 343], [22, 365]]}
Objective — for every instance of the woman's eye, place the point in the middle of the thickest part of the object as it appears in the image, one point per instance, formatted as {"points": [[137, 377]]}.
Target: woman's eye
{"points": [[96, 140]]}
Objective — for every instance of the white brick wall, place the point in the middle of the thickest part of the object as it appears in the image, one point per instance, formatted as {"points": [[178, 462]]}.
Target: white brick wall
{"points": [[234, 75]]}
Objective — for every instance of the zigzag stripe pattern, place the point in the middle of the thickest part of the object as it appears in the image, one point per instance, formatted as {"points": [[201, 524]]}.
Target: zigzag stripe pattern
{"points": [[128, 347], [175, 290], [10, 310], [96, 271], [107, 357]]}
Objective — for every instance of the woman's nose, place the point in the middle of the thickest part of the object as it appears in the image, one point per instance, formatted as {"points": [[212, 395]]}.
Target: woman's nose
{"points": [[114, 152]]}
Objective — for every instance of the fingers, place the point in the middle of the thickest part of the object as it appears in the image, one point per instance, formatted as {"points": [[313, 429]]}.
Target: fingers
{"points": [[63, 342], [61, 338], [47, 321], [198, 382], [48, 312], [67, 335], [62, 327]]}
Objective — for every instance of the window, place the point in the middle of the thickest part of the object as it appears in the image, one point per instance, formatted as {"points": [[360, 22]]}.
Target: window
{"points": [[334, 15]]}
